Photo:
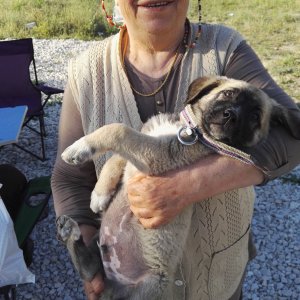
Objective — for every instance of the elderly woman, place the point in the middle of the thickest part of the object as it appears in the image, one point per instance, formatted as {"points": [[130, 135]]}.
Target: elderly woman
{"points": [[145, 70]]}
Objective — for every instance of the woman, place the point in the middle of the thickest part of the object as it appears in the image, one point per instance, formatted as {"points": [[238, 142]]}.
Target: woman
{"points": [[145, 70]]}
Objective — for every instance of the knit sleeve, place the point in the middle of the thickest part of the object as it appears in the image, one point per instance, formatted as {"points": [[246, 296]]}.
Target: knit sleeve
{"points": [[86, 80], [216, 45], [74, 65], [226, 42]]}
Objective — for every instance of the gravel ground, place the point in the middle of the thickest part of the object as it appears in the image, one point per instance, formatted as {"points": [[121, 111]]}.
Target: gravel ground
{"points": [[273, 274]]}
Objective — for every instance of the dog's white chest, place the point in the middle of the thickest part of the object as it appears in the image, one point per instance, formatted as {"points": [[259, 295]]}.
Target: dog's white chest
{"points": [[161, 125]]}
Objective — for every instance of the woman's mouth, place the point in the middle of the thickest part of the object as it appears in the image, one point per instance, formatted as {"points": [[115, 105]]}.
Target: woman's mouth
{"points": [[155, 4]]}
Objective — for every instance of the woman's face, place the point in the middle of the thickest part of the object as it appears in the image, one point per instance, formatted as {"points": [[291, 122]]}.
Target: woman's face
{"points": [[154, 16]]}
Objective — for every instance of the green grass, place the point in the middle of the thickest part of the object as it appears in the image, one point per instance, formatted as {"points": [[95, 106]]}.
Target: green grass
{"points": [[270, 26], [54, 19]]}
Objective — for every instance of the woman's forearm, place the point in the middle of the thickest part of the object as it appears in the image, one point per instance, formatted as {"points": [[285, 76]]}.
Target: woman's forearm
{"points": [[217, 174], [156, 200]]}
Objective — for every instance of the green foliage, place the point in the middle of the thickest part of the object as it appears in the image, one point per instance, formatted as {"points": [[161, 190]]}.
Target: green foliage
{"points": [[270, 26], [53, 19]]}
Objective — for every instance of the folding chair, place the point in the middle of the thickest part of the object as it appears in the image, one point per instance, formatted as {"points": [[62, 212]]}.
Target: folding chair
{"points": [[35, 199], [17, 88]]}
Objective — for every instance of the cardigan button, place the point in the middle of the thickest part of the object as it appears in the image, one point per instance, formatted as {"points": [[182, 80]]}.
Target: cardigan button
{"points": [[159, 102], [178, 283]]}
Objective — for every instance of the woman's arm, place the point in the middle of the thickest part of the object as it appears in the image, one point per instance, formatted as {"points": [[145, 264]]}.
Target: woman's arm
{"points": [[72, 185], [279, 153]]}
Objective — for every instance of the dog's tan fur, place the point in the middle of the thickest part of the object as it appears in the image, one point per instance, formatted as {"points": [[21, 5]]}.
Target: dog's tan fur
{"points": [[147, 152], [154, 152]]}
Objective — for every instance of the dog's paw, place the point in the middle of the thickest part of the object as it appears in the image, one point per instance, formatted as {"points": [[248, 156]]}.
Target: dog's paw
{"points": [[99, 203], [67, 229], [78, 153]]}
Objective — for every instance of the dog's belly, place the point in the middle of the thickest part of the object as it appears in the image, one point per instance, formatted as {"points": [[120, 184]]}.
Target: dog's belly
{"points": [[120, 249]]}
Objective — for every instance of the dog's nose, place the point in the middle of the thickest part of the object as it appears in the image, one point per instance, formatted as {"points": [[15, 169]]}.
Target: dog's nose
{"points": [[231, 114]]}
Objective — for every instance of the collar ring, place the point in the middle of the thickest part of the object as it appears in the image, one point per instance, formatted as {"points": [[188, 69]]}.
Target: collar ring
{"points": [[190, 133]]}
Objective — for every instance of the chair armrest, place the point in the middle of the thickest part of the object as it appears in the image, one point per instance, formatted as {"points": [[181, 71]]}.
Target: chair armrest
{"points": [[48, 90]]}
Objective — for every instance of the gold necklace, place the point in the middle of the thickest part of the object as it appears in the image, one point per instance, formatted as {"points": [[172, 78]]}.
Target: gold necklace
{"points": [[164, 81]]}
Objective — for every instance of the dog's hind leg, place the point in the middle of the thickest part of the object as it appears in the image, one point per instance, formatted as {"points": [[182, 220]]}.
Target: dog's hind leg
{"points": [[86, 259], [107, 183]]}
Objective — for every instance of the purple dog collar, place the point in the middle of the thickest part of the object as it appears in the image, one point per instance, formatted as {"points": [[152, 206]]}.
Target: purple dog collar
{"points": [[193, 134]]}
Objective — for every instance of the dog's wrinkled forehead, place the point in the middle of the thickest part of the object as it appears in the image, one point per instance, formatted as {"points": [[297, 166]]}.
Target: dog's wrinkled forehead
{"points": [[207, 88]]}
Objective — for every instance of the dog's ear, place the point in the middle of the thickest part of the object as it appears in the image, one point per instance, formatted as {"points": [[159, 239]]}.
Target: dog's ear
{"points": [[289, 118], [201, 87]]}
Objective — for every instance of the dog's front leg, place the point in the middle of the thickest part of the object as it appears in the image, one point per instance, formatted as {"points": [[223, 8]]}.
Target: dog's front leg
{"points": [[107, 183], [119, 138], [93, 144], [149, 154]]}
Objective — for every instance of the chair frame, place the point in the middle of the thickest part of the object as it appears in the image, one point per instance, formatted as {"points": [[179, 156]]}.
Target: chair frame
{"points": [[44, 90], [36, 186]]}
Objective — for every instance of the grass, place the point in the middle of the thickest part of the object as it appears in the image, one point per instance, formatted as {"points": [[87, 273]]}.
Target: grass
{"points": [[270, 26], [53, 18]]}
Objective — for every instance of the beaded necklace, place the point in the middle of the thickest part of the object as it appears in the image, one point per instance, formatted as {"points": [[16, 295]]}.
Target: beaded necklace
{"points": [[192, 45]]}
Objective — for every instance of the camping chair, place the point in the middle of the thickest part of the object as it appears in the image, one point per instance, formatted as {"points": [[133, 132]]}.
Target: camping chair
{"points": [[30, 212], [16, 87]]}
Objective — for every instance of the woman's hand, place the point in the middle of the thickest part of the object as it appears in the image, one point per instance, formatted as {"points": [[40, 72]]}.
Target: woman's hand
{"points": [[94, 288], [156, 200]]}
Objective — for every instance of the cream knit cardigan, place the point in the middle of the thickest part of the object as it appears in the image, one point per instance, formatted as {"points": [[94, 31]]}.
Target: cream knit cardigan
{"points": [[217, 248]]}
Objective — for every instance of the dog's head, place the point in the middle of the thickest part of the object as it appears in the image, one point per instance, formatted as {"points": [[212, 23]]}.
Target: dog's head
{"points": [[237, 113]]}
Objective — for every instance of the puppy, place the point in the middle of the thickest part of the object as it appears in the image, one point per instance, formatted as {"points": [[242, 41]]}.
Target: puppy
{"points": [[221, 114]]}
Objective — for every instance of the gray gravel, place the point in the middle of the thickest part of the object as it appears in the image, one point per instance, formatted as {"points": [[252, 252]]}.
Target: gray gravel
{"points": [[274, 274]]}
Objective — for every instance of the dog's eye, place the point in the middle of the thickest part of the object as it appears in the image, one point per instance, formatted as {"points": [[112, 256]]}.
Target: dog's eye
{"points": [[228, 93], [255, 116]]}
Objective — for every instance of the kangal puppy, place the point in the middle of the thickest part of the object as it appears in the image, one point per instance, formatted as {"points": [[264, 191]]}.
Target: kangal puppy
{"points": [[222, 115]]}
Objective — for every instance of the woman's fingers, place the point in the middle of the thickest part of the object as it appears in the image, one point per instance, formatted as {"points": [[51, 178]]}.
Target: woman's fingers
{"points": [[143, 213], [154, 222], [94, 288]]}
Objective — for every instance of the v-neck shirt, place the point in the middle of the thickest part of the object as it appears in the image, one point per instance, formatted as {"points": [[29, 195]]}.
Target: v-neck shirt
{"points": [[164, 100]]}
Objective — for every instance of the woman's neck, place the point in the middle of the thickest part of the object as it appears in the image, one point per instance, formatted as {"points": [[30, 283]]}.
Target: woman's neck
{"points": [[150, 54]]}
